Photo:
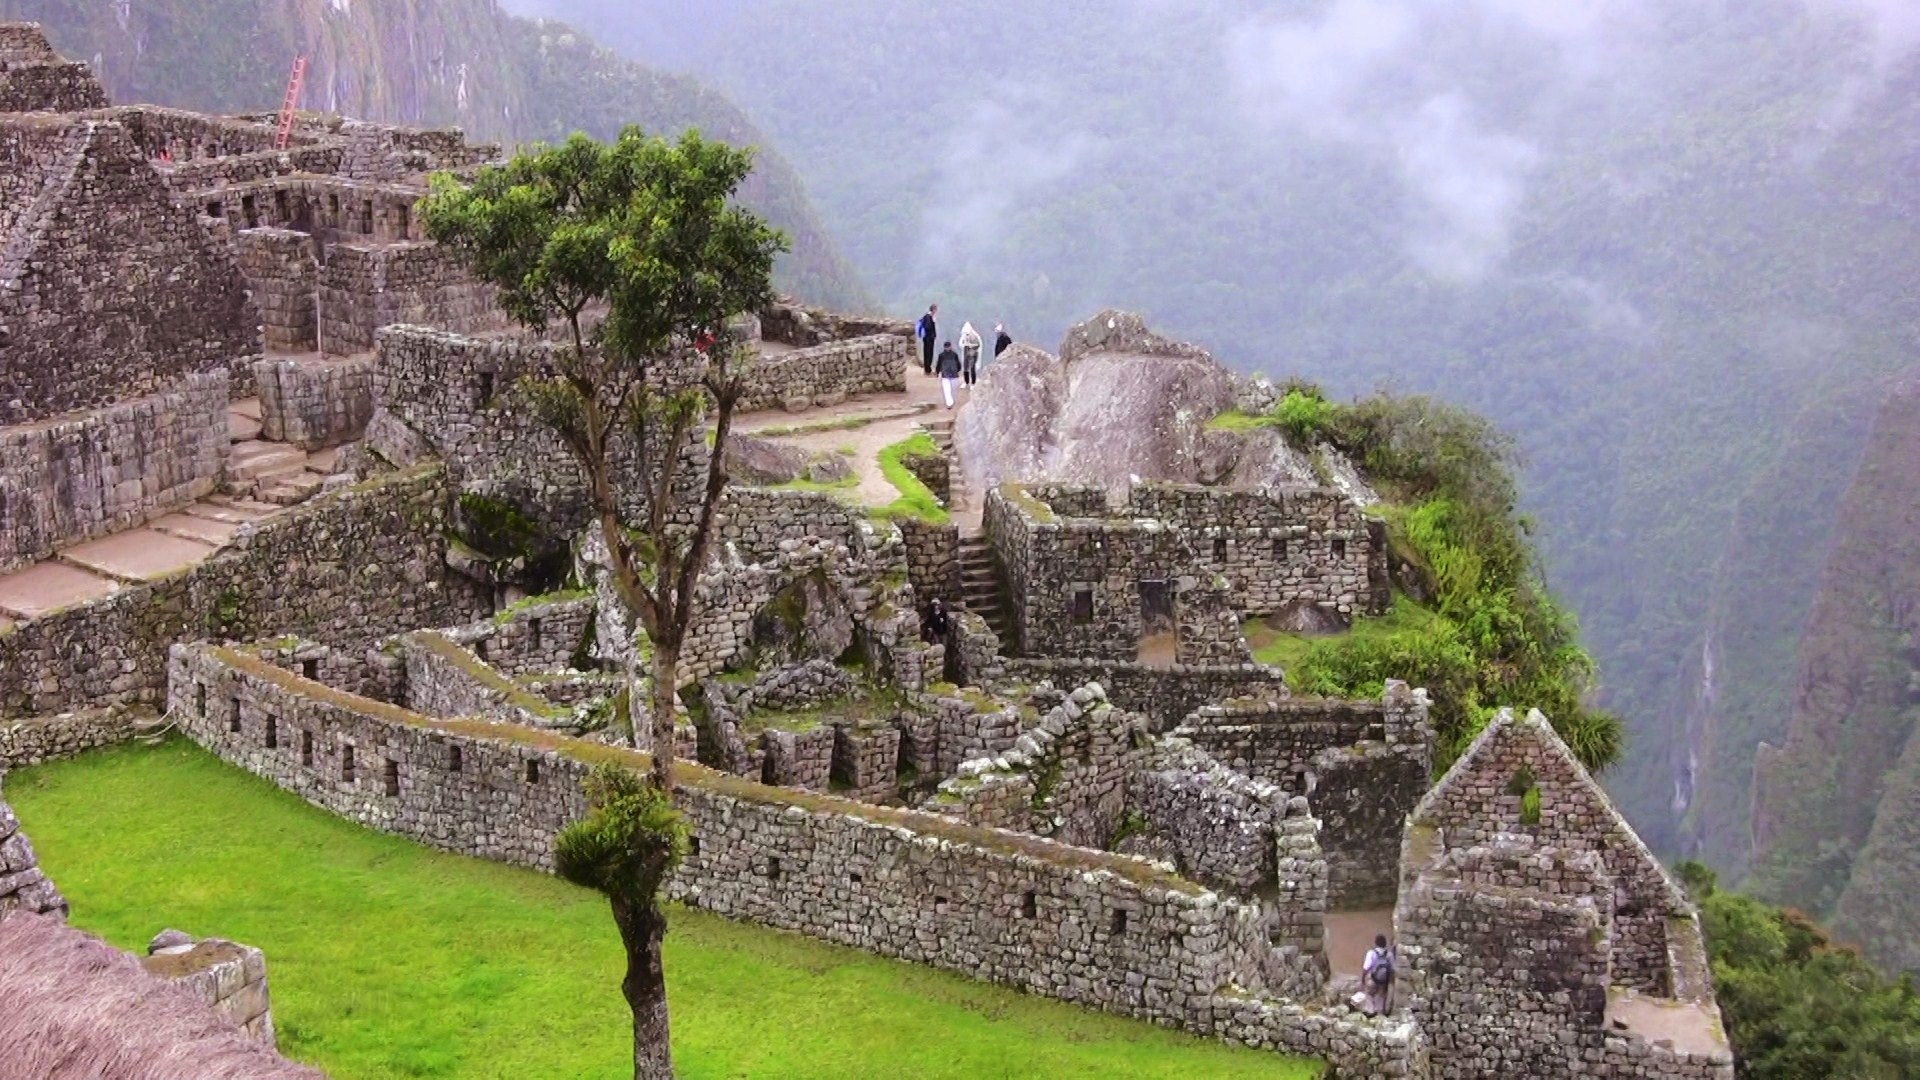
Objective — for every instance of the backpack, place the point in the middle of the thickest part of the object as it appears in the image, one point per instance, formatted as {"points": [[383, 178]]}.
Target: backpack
{"points": [[1382, 972], [920, 329]]}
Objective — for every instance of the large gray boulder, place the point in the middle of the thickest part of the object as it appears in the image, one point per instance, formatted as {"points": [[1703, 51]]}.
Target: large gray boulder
{"points": [[1119, 402]]}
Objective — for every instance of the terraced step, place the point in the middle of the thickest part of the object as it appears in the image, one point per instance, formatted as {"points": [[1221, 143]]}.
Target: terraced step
{"points": [[289, 489], [255, 459]]}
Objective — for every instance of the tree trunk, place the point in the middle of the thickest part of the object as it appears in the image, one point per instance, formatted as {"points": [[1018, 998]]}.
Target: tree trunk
{"points": [[666, 671], [643, 925]]}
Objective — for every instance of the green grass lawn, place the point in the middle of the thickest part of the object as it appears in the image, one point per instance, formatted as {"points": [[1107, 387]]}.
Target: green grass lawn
{"points": [[389, 959], [1287, 651]]}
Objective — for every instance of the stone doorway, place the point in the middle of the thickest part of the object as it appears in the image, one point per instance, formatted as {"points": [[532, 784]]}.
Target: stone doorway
{"points": [[1157, 634]]}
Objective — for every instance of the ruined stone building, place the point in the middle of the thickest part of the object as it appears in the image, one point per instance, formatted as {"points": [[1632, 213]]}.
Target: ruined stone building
{"points": [[264, 468]]}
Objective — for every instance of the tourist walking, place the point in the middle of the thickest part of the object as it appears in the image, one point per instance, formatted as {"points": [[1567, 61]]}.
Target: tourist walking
{"points": [[970, 354], [937, 624], [949, 368], [1002, 340], [928, 330], [1376, 977]]}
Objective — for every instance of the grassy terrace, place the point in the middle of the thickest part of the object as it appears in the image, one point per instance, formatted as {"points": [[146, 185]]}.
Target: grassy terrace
{"points": [[388, 959], [1287, 651]]}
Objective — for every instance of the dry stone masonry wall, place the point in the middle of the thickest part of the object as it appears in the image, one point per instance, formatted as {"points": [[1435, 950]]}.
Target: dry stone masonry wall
{"points": [[1077, 925], [96, 473]]}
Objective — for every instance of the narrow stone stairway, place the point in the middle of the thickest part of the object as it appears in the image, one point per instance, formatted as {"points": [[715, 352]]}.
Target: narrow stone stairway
{"points": [[980, 587]]}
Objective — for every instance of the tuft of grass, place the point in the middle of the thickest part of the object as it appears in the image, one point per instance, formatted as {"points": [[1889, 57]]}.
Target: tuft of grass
{"points": [[1289, 651], [916, 499], [389, 959], [1236, 421]]}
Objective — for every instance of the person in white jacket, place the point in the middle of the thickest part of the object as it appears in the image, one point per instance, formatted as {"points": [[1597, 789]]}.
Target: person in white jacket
{"points": [[970, 354]]}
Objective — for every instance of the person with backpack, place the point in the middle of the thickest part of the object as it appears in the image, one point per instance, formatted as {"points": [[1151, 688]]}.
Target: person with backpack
{"points": [[1002, 341], [926, 330], [969, 354], [949, 368], [1376, 976]]}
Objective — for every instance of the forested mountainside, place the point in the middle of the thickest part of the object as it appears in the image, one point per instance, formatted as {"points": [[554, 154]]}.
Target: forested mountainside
{"points": [[1836, 819], [429, 62], [1674, 246]]}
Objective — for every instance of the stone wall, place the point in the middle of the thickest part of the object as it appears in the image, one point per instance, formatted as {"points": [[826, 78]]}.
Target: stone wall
{"points": [[108, 290], [1166, 695], [48, 738], [347, 568], [1281, 550], [1216, 824], [101, 472], [34, 78], [1503, 952], [446, 680], [23, 886], [1484, 797], [314, 403], [534, 635], [280, 269], [1065, 776], [803, 327], [1362, 765], [933, 559], [828, 374], [228, 978], [364, 288]]}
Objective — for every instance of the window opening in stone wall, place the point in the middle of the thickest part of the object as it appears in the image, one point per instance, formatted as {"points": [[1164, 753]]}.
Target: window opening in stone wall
{"points": [[214, 209], [346, 763], [282, 212], [940, 905], [693, 845], [1524, 787], [200, 699], [1339, 547], [773, 869], [454, 762], [486, 391], [333, 211], [480, 646], [250, 210], [1220, 548], [1029, 906], [1119, 921], [392, 777], [402, 220], [366, 217], [1377, 731], [1082, 609], [273, 732], [233, 718], [533, 633], [855, 878], [306, 749], [1280, 548], [533, 772], [310, 669]]}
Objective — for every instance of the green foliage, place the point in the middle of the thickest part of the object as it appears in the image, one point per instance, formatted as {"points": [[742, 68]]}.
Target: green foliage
{"points": [[1796, 1006], [393, 960], [1304, 415], [916, 499], [629, 839], [1499, 638]]}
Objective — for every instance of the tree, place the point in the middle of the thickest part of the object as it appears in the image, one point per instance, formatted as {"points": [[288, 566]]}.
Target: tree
{"points": [[637, 250]]}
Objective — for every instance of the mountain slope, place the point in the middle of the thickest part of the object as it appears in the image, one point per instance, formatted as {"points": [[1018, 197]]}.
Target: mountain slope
{"points": [[427, 62], [1836, 808]]}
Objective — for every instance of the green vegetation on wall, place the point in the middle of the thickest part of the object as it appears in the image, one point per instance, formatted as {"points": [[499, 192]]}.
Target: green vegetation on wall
{"points": [[1495, 638]]}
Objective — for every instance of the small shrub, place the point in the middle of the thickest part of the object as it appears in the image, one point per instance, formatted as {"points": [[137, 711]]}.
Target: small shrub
{"points": [[1305, 416]]}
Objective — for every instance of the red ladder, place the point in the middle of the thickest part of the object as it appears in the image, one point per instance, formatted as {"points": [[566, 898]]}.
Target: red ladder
{"points": [[283, 134]]}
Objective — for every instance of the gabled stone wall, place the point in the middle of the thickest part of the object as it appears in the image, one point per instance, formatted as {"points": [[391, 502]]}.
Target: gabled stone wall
{"points": [[111, 291], [33, 77], [1483, 797]]}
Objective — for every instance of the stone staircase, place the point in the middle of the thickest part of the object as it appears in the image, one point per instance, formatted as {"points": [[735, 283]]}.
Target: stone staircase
{"points": [[980, 587], [279, 474]]}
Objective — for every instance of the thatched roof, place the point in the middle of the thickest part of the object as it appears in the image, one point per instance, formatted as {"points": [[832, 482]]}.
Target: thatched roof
{"points": [[74, 1008]]}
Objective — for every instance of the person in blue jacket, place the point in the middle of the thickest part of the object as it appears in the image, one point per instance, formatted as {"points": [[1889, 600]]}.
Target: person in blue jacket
{"points": [[927, 330]]}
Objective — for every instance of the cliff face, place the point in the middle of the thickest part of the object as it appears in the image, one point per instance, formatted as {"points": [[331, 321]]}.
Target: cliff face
{"points": [[424, 62], [1836, 809]]}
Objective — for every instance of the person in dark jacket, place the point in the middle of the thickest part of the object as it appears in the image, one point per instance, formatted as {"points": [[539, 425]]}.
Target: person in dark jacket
{"points": [[938, 622], [949, 368], [928, 330], [1002, 340]]}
